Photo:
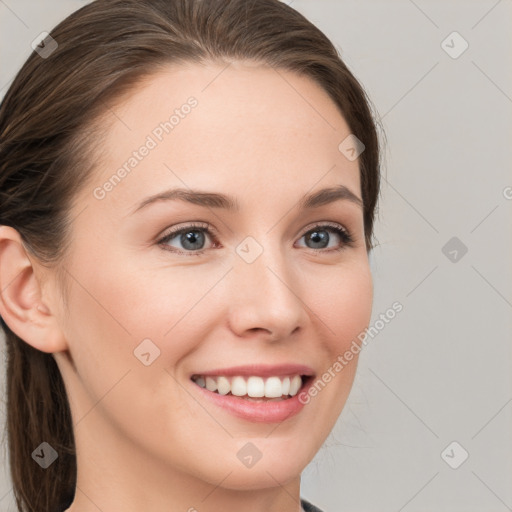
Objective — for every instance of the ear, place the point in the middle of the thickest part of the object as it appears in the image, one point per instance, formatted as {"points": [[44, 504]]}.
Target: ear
{"points": [[22, 305]]}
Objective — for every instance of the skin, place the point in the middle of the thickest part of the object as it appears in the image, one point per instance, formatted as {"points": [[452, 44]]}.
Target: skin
{"points": [[146, 439]]}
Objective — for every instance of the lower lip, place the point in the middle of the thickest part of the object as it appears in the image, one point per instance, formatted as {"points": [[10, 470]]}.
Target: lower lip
{"points": [[258, 412]]}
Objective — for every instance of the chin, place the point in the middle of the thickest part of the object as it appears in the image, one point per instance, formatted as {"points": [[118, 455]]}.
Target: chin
{"points": [[266, 477], [278, 468]]}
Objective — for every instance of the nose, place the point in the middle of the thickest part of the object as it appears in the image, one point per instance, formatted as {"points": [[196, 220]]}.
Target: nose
{"points": [[266, 298]]}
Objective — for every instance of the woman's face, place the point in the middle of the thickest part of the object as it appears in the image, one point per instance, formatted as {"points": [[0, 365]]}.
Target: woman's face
{"points": [[267, 283]]}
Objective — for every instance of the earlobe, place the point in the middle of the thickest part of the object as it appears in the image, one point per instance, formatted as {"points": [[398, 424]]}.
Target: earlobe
{"points": [[21, 299]]}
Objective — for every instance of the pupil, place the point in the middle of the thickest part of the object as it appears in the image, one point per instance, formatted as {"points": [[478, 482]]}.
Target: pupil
{"points": [[190, 238], [318, 238]]}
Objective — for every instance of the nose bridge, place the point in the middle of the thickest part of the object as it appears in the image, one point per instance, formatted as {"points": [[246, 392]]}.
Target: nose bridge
{"points": [[266, 289]]}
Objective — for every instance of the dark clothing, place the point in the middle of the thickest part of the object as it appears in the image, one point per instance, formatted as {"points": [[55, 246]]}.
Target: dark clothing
{"points": [[308, 507]]}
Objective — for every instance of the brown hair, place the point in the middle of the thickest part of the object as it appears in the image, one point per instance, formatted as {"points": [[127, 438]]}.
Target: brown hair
{"points": [[50, 130]]}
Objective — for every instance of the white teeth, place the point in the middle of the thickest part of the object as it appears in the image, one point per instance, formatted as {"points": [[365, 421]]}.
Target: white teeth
{"points": [[254, 387], [273, 387], [211, 384], [238, 387], [295, 385], [286, 386], [223, 386]]}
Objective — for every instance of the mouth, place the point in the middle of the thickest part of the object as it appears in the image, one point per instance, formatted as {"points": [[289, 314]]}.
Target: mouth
{"points": [[257, 393], [254, 388]]}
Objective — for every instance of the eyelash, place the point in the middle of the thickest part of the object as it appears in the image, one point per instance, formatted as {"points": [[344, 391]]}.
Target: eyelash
{"points": [[345, 235]]}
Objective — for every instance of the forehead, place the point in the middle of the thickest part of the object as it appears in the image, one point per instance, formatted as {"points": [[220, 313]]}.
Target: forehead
{"points": [[241, 126]]}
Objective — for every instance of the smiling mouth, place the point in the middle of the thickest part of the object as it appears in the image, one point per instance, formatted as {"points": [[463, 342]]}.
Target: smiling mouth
{"points": [[253, 388]]}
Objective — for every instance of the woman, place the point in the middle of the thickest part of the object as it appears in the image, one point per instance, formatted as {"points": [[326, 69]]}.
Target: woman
{"points": [[188, 192]]}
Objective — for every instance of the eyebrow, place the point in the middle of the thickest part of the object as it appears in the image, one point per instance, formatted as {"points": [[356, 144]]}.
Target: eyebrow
{"points": [[217, 200]]}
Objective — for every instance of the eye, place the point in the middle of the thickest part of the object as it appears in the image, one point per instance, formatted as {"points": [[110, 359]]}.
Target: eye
{"points": [[192, 238], [319, 237]]}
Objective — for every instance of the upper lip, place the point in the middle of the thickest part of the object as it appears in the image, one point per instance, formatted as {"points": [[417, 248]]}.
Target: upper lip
{"points": [[261, 370]]}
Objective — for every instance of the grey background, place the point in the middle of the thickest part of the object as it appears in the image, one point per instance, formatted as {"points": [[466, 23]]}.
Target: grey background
{"points": [[440, 371]]}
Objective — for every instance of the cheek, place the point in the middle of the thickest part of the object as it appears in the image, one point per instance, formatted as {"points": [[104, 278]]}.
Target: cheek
{"points": [[341, 308], [344, 305], [111, 311], [116, 304]]}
